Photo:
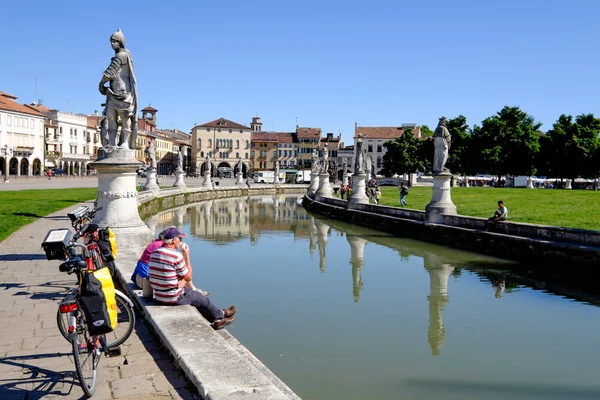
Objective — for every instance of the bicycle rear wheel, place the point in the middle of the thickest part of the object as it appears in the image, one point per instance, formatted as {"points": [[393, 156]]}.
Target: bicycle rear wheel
{"points": [[125, 322], [86, 358]]}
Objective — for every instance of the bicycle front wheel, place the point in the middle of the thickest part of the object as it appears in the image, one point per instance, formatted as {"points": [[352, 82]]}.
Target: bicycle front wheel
{"points": [[86, 359], [125, 322]]}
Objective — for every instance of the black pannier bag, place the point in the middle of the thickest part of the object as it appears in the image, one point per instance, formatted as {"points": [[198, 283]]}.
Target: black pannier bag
{"points": [[95, 287], [106, 250]]}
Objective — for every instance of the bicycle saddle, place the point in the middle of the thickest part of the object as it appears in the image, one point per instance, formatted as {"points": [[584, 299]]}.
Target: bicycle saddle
{"points": [[72, 265]]}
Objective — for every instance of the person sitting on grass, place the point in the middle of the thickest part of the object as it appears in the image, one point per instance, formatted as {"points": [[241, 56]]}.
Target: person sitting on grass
{"points": [[501, 213], [169, 276]]}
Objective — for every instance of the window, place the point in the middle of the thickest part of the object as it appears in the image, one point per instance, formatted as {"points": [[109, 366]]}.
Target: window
{"points": [[31, 124], [279, 154], [253, 144], [60, 130], [378, 161], [219, 130], [237, 144], [209, 143], [241, 131], [379, 148], [252, 153], [231, 131], [237, 155], [202, 154], [26, 123], [9, 120], [247, 143], [370, 148], [199, 143], [246, 156]]}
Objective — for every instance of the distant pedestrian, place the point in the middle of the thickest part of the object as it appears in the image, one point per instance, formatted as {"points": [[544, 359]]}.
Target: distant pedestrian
{"points": [[403, 193], [342, 191], [377, 194], [49, 173]]}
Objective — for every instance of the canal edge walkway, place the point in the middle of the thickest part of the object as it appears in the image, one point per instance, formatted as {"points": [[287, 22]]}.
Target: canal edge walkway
{"points": [[36, 361]]}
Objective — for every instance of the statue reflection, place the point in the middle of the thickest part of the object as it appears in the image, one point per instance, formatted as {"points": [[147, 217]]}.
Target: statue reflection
{"points": [[357, 259], [312, 236], [438, 298], [322, 237]]}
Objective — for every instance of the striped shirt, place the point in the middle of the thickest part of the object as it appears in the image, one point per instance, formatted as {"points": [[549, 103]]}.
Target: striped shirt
{"points": [[163, 269]]}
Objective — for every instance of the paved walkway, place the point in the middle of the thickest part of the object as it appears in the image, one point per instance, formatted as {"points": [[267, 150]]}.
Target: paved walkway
{"points": [[36, 361]]}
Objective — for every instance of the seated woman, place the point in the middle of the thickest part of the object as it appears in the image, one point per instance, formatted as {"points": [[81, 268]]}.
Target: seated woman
{"points": [[140, 274]]}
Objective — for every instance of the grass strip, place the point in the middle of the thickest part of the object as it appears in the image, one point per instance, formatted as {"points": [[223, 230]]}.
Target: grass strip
{"points": [[21, 207]]}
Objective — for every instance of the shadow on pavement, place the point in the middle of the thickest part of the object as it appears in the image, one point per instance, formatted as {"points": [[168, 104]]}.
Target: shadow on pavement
{"points": [[36, 382]]}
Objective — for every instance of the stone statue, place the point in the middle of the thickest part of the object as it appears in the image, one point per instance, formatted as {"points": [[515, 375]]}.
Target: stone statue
{"points": [[441, 141], [121, 94], [179, 160], [208, 165], [359, 162], [373, 169], [240, 166], [316, 165], [344, 164], [151, 153], [277, 169], [325, 164]]}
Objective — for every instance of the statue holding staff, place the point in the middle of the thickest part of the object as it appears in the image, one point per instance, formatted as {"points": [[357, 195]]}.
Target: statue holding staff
{"points": [[121, 94]]}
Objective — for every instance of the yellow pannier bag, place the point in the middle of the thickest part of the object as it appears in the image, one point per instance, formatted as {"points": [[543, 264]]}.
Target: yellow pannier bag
{"points": [[113, 242], [98, 301]]}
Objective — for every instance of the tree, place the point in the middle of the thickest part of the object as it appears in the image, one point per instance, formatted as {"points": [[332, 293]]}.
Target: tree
{"points": [[459, 160], [426, 132], [403, 155], [506, 143], [570, 148]]}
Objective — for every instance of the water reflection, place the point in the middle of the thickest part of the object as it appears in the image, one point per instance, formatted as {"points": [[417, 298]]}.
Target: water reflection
{"points": [[230, 220]]}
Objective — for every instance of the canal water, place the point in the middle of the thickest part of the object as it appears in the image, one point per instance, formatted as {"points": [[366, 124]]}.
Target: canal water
{"points": [[342, 312]]}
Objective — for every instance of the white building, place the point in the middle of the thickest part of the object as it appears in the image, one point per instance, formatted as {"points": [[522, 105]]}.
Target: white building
{"points": [[69, 140], [21, 138], [375, 136]]}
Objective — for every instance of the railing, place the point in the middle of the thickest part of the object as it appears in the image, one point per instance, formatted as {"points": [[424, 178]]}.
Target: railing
{"points": [[53, 154], [76, 156]]}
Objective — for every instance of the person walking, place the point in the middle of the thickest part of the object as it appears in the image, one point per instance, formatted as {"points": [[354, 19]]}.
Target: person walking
{"points": [[403, 192]]}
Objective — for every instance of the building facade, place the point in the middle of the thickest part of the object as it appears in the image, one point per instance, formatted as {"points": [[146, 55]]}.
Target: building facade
{"points": [[21, 138], [264, 151], [308, 140], [225, 142], [287, 151], [375, 137]]}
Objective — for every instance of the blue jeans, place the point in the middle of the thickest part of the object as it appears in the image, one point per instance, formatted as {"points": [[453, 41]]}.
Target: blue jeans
{"points": [[202, 303], [402, 201]]}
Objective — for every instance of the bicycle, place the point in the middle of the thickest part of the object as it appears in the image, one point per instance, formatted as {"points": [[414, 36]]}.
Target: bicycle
{"points": [[80, 217], [87, 348]]}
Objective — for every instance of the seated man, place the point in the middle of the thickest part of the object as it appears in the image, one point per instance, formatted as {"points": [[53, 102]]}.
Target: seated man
{"points": [[169, 275], [141, 269], [501, 213]]}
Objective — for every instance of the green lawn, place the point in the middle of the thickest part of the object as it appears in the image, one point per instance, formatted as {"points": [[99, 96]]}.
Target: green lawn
{"points": [[19, 208], [568, 208]]}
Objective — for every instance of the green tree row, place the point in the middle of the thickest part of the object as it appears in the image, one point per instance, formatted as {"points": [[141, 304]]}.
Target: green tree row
{"points": [[508, 143]]}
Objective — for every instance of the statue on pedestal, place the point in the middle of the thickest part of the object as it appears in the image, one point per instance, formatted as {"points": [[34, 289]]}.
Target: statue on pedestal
{"points": [[239, 166], [316, 165], [359, 162], [121, 95], [325, 164], [151, 153], [179, 161], [208, 165], [441, 141]]}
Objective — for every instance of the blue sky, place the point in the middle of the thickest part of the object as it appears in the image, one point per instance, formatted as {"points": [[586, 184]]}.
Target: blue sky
{"points": [[326, 64]]}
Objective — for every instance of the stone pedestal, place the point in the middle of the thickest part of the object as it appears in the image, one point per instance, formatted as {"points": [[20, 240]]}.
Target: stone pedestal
{"points": [[151, 183], [358, 190], [325, 189], [314, 184], [207, 180], [568, 184], [345, 178], [441, 202], [530, 183], [276, 180], [179, 183], [240, 179], [117, 195]]}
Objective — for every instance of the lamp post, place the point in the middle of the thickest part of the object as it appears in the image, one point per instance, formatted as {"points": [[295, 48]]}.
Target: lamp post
{"points": [[6, 152]]}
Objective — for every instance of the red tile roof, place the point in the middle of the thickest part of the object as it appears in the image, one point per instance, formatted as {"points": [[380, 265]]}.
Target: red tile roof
{"points": [[149, 108], [308, 132], [264, 137], [8, 103], [223, 123], [40, 108], [285, 137], [10, 96], [383, 132]]}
